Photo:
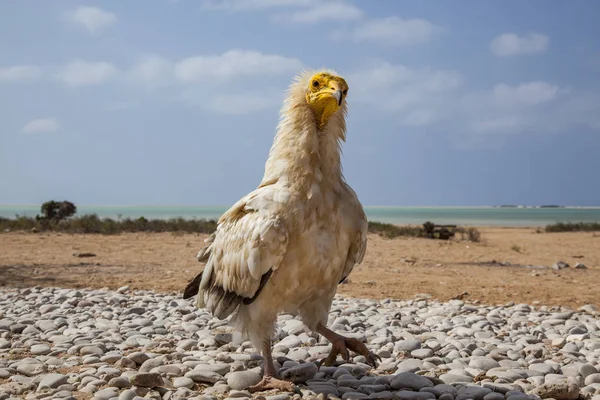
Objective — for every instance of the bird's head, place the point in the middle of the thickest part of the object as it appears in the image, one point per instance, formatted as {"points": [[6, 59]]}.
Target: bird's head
{"points": [[325, 94]]}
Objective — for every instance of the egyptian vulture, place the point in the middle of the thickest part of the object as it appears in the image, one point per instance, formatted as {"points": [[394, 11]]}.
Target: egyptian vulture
{"points": [[287, 245]]}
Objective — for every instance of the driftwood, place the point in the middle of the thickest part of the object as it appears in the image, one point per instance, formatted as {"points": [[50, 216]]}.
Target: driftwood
{"points": [[443, 232]]}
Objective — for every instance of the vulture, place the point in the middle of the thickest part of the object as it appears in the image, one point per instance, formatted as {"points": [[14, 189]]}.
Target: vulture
{"points": [[286, 246]]}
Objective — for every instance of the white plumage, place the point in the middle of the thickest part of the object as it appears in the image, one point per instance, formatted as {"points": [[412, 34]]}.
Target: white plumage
{"points": [[287, 245]]}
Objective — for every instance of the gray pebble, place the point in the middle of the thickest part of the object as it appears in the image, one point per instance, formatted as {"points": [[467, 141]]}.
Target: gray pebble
{"points": [[407, 380], [300, 373], [183, 382], [52, 381], [241, 380]]}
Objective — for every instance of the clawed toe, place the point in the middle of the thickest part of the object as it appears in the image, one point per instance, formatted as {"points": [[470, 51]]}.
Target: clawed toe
{"points": [[373, 359], [271, 383]]}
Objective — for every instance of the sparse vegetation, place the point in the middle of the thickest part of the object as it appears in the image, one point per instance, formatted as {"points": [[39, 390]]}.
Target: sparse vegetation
{"points": [[91, 223], [469, 234], [391, 231], [516, 248], [574, 227], [57, 210], [57, 219]]}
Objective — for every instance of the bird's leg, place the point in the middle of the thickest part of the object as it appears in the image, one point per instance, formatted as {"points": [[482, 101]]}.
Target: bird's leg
{"points": [[270, 380], [341, 345]]}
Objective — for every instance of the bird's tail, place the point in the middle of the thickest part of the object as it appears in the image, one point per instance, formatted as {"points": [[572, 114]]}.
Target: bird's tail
{"points": [[202, 257]]}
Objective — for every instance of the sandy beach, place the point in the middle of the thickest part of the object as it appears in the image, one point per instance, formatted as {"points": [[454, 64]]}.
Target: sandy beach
{"points": [[393, 268]]}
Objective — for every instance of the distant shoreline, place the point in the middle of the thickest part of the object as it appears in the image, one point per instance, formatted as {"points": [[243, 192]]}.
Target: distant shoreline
{"points": [[479, 216], [364, 205]]}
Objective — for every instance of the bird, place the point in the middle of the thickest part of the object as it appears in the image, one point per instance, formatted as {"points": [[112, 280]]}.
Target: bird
{"points": [[287, 245]]}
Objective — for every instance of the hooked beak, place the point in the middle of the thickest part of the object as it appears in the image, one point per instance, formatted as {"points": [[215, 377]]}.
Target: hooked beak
{"points": [[338, 96]]}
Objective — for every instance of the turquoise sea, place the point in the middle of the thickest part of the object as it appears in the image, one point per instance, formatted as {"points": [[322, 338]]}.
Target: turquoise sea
{"points": [[474, 216]]}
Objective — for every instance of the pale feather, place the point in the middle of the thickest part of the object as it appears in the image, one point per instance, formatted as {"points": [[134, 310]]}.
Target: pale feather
{"points": [[250, 240]]}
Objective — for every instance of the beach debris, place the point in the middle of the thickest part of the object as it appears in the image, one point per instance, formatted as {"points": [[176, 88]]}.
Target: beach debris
{"points": [[422, 296], [560, 265], [442, 232], [460, 296], [83, 254], [580, 266], [536, 267]]}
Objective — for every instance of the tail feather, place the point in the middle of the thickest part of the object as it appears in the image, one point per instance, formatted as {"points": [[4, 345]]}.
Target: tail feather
{"points": [[192, 288], [202, 256]]}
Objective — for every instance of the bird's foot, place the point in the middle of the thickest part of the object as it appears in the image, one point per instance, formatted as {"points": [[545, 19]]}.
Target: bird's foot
{"points": [[271, 383], [341, 345]]}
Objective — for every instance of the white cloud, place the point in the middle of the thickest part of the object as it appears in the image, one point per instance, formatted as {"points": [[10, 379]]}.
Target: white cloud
{"points": [[243, 5], [42, 125], [426, 97], [325, 11], [152, 71], [233, 63], [416, 96], [85, 73], [241, 103], [307, 11], [20, 73], [392, 30], [510, 44], [93, 19], [525, 94]]}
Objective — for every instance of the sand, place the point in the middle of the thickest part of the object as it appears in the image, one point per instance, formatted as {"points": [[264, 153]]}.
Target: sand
{"points": [[393, 268]]}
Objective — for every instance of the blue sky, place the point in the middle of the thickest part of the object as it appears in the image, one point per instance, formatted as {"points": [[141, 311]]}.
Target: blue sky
{"points": [[176, 101]]}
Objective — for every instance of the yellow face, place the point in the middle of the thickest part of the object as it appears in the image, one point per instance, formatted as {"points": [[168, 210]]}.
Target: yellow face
{"points": [[325, 95]]}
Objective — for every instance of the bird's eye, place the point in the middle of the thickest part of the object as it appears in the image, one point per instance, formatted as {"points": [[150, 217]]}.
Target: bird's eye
{"points": [[345, 92], [315, 83]]}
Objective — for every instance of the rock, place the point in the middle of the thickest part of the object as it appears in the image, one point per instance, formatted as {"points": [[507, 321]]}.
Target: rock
{"points": [[127, 395], [493, 396], [105, 394], [591, 379], [40, 349], [408, 380], [138, 357], [560, 390], [300, 373], [147, 380], [473, 392], [410, 395], [483, 363], [31, 369], [16, 388], [91, 350], [580, 266], [407, 346], [409, 365], [120, 382], [587, 369], [560, 265], [422, 353], [52, 381], [201, 376], [183, 382], [241, 380], [454, 378]]}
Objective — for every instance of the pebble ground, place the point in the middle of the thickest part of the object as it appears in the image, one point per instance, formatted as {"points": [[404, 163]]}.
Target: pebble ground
{"points": [[101, 344]]}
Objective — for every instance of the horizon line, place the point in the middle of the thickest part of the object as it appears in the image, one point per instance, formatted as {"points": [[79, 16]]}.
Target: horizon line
{"points": [[364, 205]]}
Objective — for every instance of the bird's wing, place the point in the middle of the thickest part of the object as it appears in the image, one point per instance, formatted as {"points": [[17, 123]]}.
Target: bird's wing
{"points": [[358, 246], [248, 245]]}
